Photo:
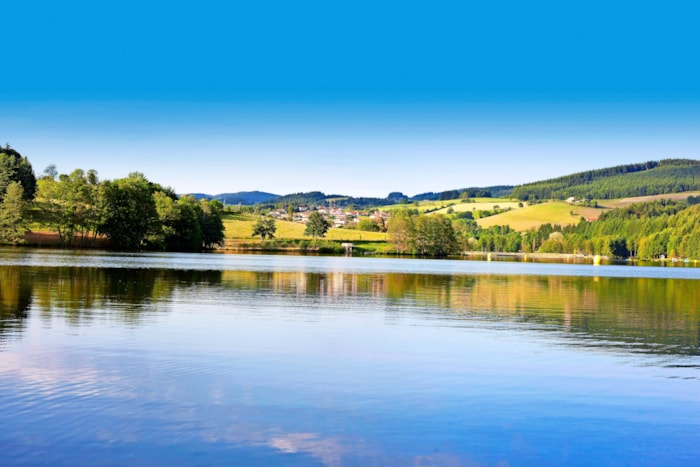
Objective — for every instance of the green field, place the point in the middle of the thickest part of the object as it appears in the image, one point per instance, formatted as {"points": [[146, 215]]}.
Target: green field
{"points": [[531, 217], [240, 227], [457, 205], [559, 212], [489, 205]]}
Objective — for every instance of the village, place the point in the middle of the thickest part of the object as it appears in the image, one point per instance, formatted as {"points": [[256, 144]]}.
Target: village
{"points": [[338, 217]]}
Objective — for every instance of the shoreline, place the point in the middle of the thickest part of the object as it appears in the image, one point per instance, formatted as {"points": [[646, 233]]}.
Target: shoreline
{"points": [[48, 239]]}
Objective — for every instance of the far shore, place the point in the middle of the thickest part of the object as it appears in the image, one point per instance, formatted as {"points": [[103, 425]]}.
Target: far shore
{"points": [[49, 239]]}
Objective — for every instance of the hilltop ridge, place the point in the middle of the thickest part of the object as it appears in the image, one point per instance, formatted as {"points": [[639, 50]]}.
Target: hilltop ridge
{"points": [[621, 181]]}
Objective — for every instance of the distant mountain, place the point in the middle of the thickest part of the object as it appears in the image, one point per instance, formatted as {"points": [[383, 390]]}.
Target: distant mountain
{"points": [[246, 198], [648, 178]]}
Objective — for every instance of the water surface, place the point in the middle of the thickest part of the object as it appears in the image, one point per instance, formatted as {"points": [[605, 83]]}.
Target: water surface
{"points": [[259, 360]]}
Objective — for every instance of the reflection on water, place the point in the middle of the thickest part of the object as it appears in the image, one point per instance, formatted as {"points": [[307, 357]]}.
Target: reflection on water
{"points": [[326, 365], [648, 314]]}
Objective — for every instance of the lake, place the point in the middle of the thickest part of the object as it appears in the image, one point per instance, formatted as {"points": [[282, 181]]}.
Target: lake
{"points": [[210, 359]]}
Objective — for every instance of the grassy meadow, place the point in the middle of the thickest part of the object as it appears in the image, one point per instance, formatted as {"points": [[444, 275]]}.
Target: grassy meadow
{"points": [[621, 203], [240, 227], [457, 205], [482, 205], [531, 217], [560, 212]]}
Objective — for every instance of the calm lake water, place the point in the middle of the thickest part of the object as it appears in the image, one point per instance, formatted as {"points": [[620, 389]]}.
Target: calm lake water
{"points": [[159, 359]]}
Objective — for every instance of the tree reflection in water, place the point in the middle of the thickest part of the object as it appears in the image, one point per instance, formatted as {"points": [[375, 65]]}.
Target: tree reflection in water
{"points": [[636, 314]]}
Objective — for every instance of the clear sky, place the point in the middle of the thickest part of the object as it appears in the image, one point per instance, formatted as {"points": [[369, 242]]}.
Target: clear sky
{"points": [[349, 97]]}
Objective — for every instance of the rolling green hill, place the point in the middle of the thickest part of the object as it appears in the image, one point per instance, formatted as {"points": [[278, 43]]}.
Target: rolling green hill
{"points": [[649, 178]]}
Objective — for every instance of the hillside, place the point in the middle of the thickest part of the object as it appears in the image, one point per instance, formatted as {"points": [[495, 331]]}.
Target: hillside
{"points": [[649, 178], [530, 217], [562, 213], [246, 198], [623, 181]]}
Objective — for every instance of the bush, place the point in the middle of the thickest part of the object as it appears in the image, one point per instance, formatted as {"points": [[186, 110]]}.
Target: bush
{"points": [[368, 225]]}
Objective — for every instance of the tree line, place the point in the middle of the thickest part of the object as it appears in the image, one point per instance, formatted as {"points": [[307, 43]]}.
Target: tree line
{"points": [[132, 212]]}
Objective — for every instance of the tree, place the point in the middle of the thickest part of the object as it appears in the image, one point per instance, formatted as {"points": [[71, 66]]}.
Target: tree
{"points": [[465, 231], [400, 229], [179, 228], [50, 172], [265, 227], [13, 221], [15, 168], [130, 212], [431, 235], [72, 205], [317, 225], [213, 232], [434, 236], [368, 225]]}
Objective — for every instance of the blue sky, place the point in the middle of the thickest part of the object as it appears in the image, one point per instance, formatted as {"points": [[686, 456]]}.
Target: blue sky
{"points": [[358, 98]]}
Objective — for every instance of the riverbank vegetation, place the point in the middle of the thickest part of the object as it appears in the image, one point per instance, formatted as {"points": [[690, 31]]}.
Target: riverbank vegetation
{"points": [[132, 213]]}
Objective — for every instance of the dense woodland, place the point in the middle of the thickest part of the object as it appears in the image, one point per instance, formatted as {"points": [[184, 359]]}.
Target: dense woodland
{"points": [[650, 178]]}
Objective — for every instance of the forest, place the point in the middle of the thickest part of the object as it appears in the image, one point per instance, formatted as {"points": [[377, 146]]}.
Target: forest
{"points": [[650, 178], [132, 212]]}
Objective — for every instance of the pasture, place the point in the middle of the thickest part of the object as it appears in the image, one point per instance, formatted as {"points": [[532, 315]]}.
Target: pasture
{"points": [[531, 217], [240, 227]]}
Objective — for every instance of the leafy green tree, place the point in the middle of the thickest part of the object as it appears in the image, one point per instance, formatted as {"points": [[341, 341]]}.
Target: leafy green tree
{"points": [[179, 228], [368, 225], [13, 219], [265, 228], [430, 235], [401, 229], [465, 231], [434, 236], [95, 210], [130, 212], [72, 205], [317, 225], [15, 168], [211, 223]]}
